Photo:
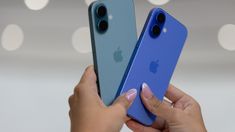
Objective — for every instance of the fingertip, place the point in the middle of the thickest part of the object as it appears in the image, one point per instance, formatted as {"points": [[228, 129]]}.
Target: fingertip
{"points": [[87, 82], [152, 103], [123, 102], [133, 125], [90, 67], [130, 124], [131, 95], [127, 98], [174, 94], [127, 119], [90, 70], [146, 91], [89, 74]]}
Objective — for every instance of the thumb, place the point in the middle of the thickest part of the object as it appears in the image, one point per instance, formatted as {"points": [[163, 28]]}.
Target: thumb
{"points": [[123, 102], [156, 106]]}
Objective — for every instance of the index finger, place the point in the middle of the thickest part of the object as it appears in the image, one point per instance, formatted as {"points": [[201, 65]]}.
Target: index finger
{"points": [[174, 94], [89, 75], [86, 90], [89, 80]]}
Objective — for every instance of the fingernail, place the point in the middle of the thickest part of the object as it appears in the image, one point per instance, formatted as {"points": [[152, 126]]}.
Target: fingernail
{"points": [[146, 91], [131, 94]]}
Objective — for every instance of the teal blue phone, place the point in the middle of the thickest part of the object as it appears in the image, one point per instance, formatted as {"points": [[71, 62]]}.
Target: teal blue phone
{"points": [[113, 37]]}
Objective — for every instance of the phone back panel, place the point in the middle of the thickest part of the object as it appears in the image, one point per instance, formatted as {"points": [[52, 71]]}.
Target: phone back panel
{"points": [[153, 62], [112, 50]]}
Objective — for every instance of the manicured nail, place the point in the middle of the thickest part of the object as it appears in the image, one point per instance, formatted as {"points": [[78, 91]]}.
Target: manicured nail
{"points": [[131, 94], [146, 91]]}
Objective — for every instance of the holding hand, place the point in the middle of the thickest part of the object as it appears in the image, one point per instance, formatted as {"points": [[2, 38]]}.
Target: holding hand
{"points": [[89, 114], [182, 115]]}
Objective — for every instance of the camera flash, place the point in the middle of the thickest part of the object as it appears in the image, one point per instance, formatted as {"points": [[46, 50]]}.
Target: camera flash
{"points": [[110, 17], [164, 30]]}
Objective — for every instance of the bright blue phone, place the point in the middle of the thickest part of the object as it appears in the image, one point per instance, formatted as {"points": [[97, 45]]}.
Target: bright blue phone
{"points": [[113, 36], [154, 60]]}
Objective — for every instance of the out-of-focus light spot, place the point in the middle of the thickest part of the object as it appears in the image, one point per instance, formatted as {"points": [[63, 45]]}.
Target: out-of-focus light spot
{"points": [[88, 2], [12, 37], [81, 40], [226, 37], [36, 4], [158, 2]]}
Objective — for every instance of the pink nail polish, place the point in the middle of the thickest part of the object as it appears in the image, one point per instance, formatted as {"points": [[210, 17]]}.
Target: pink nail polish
{"points": [[146, 91], [131, 94]]}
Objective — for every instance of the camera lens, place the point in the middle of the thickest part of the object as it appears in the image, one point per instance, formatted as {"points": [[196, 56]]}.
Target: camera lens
{"points": [[161, 18], [156, 30], [103, 26], [101, 11]]}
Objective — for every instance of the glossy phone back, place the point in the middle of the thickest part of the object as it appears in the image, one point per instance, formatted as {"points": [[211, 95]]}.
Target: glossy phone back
{"points": [[112, 50], [153, 62]]}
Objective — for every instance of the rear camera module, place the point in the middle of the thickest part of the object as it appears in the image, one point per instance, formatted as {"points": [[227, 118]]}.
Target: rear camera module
{"points": [[161, 18], [102, 26], [155, 31], [101, 11]]}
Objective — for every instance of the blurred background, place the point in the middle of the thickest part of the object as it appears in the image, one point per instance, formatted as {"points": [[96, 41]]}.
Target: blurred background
{"points": [[45, 46]]}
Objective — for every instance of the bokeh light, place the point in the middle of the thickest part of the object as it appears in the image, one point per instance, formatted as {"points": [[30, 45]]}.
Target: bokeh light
{"points": [[226, 37], [158, 2], [81, 40], [36, 4], [12, 37], [88, 2]]}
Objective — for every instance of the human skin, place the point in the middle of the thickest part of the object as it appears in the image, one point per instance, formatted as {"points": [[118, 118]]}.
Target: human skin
{"points": [[89, 114], [181, 114]]}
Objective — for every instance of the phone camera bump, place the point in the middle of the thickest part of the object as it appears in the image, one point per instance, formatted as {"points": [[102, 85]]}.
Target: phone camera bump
{"points": [[161, 18], [103, 26], [101, 11], [156, 30]]}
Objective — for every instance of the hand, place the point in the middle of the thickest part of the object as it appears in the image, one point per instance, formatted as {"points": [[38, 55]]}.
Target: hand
{"points": [[89, 114], [182, 114]]}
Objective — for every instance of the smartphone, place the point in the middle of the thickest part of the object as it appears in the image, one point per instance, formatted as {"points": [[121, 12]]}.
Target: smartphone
{"points": [[154, 60], [113, 37]]}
